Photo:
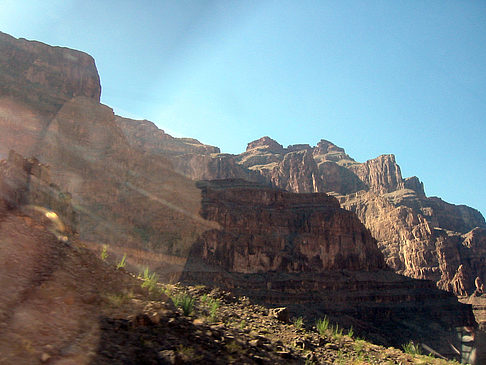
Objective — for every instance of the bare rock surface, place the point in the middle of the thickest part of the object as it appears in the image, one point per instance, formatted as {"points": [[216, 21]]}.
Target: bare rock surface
{"points": [[45, 76]]}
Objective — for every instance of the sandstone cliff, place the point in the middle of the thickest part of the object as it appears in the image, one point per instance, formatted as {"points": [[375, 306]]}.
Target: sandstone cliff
{"points": [[420, 237], [45, 76]]}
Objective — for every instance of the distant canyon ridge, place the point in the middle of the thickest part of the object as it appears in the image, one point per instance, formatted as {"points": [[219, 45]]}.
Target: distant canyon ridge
{"points": [[420, 237]]}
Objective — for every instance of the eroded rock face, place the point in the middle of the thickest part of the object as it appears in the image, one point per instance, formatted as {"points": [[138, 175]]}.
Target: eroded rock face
{"points": [[263, 229], [420, 237], [145, 135], [297, 172], [381, 174], [45, 76], [305, 252], [414, 232]]}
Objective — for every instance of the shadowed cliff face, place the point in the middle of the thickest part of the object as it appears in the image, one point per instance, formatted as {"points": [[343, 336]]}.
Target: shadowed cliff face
{"points": [[264, 229], [305, 252]]}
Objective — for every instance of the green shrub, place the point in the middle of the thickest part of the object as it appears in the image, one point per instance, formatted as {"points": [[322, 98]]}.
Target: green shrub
{"points": [[149, 280], [122, 263], [213, 309], [322, 325], [298, 322], [412, 348], [185, 302], [336, 332], [104, 253]]}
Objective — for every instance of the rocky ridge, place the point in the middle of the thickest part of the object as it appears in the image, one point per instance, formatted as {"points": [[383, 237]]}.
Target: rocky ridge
{"points": [[421, 237], [45, 76]]}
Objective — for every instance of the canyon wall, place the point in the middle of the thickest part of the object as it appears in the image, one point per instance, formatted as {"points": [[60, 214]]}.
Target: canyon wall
{"points": [[305, 252], [421, 237]]}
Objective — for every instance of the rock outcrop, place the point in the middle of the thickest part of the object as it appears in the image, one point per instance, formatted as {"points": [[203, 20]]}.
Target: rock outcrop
{"points": [[145, 135], [305, 252], [45, 76], [268, 230], [420, 237], [381, 175]]}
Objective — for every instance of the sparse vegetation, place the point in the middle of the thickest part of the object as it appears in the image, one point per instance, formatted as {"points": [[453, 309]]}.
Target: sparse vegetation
{"points": [[149, 280], [412, 348], [185, 302], [122, 262], [337, 332], [322, 325], [104, 253], [119, 299], [298, 322]]}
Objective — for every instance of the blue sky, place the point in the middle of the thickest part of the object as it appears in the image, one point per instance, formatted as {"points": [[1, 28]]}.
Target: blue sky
{"points": [[374, 77]]}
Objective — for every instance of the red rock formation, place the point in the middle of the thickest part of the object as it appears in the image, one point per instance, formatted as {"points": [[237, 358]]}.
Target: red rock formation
{"points": [[145, 135], [419, 236], [381, 174], [297, 172], [314, 234], [45, 76], [409, 226], [124, 196], [266, 144]]}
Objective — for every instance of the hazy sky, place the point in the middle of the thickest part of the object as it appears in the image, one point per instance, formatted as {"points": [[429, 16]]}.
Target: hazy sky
{"points": [[374, 77]]}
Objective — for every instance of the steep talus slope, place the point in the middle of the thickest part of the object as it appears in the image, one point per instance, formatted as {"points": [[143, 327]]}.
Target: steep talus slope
{"points": [[305, 252]]}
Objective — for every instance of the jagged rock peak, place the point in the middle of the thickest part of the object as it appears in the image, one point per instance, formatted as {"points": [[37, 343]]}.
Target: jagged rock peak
{"points": [[45, 76], [381, 174], [266, 143], [414, 183], [324, 146]]}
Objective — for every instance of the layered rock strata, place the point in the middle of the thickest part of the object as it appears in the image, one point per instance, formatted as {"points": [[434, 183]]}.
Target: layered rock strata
{"points": [[305, 252], [421, 237], [45, 76]]}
